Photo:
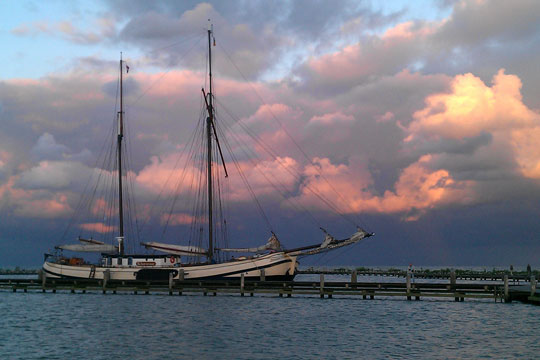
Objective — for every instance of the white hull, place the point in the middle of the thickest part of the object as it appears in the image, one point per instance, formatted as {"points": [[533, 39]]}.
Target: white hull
{"points": [[276, 266]]}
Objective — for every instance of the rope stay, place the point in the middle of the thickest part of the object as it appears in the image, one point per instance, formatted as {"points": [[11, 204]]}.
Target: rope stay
{"points": [[297, 145], [188, 180]]}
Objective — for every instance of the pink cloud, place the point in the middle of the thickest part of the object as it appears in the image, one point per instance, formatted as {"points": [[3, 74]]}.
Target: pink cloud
{"points": [[168, 173], [33, 203], [177, 219], [417, 189], [101, 207], [472, 108], [98, 227], [264, 178], [332, 118], [266, 112], [170, 85], [387, 116], [409, 30], [56, 206], [342, 65], [5, 157]]}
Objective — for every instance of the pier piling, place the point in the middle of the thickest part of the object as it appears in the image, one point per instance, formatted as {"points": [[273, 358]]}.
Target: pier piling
{"points": [[321, 286], [506, 291], [181, 274], [408, 286]]}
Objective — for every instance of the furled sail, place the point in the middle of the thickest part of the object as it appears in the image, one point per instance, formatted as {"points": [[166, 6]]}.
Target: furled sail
{"points": [[175, 249], [272, 244], [330, 243], [101, 248], [90, 241]]}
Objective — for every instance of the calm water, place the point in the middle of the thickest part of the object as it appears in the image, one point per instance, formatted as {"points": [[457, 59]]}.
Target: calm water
{"points": [[96, 326]]}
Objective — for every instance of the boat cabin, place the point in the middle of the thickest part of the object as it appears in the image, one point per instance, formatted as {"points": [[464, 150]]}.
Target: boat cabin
{"points": [[109, 260]]}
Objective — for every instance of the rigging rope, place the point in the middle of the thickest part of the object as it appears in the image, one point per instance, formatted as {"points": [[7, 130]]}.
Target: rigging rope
{"points": [[166, 72], [296, 176], [336, 210]]}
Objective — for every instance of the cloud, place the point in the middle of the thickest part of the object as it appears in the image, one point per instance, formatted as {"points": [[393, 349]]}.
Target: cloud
{"points": [[331, 119], [44, 208], [351, 103], [98, 227], [106, 28], [49, 175], [32, 203], [47, 148], [250, 51], [365, 61], [473, 22], [177, 219], [472, 110], [418, 189]]}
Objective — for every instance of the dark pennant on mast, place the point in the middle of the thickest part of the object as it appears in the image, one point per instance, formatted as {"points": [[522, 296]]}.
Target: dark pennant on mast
{"points": [[119, 150], [209, 120]]}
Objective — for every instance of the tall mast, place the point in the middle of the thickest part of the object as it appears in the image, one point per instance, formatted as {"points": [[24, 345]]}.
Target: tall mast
{"points": [[119, 141], [209, 121]]}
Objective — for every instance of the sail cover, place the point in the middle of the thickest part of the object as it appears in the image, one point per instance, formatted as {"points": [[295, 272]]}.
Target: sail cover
{"points": [[90, 241], [272, 244], [101, 248], [176, 249], [330, 243]]}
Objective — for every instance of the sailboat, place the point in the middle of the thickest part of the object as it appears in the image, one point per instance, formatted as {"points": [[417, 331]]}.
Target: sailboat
{"points": [[271, 259]]}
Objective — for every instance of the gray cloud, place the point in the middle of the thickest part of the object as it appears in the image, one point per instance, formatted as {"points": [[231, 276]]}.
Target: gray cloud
{"points": [[54, 175], [466, 146], [474, 23], [47, 148]]}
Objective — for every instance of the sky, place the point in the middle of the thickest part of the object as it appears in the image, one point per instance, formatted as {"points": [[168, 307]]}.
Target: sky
{"points": [[419, 120]]}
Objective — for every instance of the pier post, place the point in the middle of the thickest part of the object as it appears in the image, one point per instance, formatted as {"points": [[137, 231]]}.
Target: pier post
{"points": [[453, 278], [106, 278], [408, 286], [43, 275], [321, 286], [263, 275], [242, 284], [171, 281], [354, 277], [533, 285], [181, 274], [506, 292]]}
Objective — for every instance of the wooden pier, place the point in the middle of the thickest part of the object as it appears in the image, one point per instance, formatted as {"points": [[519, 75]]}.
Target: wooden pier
{"points": [[324, 289], [443, 274]]}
